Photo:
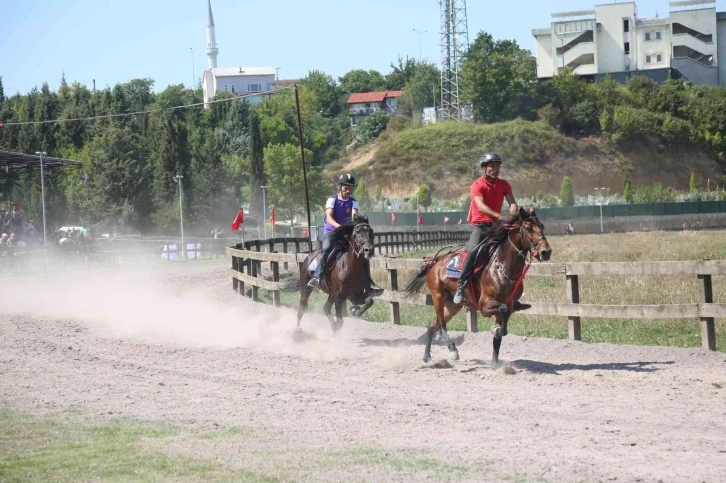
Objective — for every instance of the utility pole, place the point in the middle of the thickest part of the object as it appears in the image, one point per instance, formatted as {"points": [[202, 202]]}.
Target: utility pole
{"points": [[264, 209], [42, 202], [419, 41]]}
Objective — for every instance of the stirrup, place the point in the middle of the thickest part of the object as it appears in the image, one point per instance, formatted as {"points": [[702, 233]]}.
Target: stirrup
{"points": [[459, 295], [314, 283]]}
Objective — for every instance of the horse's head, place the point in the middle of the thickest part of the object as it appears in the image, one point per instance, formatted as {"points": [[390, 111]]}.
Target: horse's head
{"points": [[362, 237], [532, 237]]}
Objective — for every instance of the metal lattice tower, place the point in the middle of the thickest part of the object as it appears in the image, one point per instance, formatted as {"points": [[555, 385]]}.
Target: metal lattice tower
{"points": [[454, 45]]}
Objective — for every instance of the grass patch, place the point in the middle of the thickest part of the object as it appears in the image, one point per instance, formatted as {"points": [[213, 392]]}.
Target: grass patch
{"points": [[616, 247], [34, 448]]}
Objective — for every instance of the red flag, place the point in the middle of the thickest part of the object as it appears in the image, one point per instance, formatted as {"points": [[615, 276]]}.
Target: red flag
{"points": [[459, 222], [238, 220], [446, 219], [420, 220], [393, 217], [272, 216]]}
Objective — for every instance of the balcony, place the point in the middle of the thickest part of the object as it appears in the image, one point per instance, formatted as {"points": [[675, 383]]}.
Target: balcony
{"points": [[681, 51], [680, 29]]}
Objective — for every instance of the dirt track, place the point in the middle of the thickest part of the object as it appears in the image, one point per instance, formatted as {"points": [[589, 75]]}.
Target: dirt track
{"points": [[178, 345]]}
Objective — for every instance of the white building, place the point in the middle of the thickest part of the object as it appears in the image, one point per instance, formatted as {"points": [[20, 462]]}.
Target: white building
{"points": [[252, 82], [612, 39]]}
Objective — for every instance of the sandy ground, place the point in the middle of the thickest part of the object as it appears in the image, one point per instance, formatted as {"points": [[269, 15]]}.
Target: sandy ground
{"points": [[176, 344]]}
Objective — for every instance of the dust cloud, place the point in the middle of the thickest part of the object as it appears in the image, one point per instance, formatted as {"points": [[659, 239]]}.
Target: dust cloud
{"points": [[145, 305]]}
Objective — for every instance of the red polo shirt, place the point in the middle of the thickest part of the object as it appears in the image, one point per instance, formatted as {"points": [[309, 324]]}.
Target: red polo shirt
{"points": [[493, 195]]}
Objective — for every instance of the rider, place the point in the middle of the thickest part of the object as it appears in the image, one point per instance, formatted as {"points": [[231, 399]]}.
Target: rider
{"points": [[340, 209], [487, 197]]}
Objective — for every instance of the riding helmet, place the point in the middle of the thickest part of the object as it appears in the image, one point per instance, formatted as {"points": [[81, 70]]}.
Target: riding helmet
{"points": [[489, 158], [346, 179]]}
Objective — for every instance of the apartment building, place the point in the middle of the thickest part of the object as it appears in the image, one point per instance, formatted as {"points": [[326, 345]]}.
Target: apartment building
{"points": [[614, 39]]}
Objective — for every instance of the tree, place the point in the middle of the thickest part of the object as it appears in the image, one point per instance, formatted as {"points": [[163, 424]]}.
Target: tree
{"points": [[627, 189], [422, 89], [326, 91], [285, 182], [207, 177], [401, 74], [692, 184], [257, 162], [567, 198], [359, 80], [424, 196], [2, 91], [365, 201], [498, 78]]}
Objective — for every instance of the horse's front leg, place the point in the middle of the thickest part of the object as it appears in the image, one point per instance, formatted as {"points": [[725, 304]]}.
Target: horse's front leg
{"points": [[498, 330], [359, 311], [490, 307]]}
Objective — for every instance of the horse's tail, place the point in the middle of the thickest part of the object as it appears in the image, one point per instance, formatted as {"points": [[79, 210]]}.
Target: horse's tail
{"points": [[414, 285]]}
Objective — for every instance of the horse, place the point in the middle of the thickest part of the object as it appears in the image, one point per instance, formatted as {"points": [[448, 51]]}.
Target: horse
{"points": [[345, 276], [492, 292]]}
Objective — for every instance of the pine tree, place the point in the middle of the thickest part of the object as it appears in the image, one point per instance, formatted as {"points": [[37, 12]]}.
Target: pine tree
{"points": [[693, 185], [627, 189], [566, 196]]}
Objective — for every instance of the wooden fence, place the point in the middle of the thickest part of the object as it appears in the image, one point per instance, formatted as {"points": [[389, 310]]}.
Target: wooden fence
{"points": [[246, 269]]}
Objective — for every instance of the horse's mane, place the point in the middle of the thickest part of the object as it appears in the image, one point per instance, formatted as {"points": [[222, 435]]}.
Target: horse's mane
{"points": [[340, 236], [498, 232]]}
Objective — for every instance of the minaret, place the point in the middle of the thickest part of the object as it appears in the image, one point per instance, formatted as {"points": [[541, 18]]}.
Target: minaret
{"points": [[211, 42]]}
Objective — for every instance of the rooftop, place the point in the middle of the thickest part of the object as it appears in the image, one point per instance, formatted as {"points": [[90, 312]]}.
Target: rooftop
{"points": [[380, 96], [238, 71]]}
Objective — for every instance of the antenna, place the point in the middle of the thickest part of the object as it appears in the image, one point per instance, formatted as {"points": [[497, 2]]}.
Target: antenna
{"points": [[454, 35]]}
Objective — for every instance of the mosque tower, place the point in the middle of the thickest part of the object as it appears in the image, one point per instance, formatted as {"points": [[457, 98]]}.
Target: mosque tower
{"points": [[211, 41]]}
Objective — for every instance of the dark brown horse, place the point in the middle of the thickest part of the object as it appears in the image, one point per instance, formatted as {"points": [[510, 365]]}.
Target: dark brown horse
{"points": [[489, 292], [344, 277]]}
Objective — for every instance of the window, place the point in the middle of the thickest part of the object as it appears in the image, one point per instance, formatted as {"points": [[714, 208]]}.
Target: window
{"points": [[626, 25], [652, 35], [232, 89], [225, 88], [653, 58], [254, 87], [391, 102], [627, 48]]}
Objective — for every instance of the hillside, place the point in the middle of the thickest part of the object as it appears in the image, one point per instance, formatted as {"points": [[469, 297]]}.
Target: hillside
{"points": [[537, 157]]}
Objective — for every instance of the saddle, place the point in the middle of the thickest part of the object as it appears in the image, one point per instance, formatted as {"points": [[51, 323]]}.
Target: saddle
{"points": [[455, 265]]}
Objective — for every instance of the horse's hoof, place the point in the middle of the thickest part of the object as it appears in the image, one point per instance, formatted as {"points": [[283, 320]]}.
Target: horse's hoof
{"points": [[496, 331], [355, 311], [455, 355], [427, 358]]}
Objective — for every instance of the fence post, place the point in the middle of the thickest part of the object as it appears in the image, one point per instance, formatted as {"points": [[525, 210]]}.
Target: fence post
{"points": [[275, 278], [284, 250], [573, 296], [395, 306], [255, 289], [471, 323], [235, 268], [708, 327], [241, 267]]}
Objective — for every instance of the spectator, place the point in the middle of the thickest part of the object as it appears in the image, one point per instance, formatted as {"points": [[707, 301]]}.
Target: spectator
{"points": [[4, 240], [12, 241]]}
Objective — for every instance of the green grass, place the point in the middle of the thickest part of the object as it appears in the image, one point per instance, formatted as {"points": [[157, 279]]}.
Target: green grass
{"points": [[69, 449], [618, 247], [34, 448]]}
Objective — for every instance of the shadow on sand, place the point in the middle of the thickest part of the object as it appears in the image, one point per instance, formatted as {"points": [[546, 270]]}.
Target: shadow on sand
{"points": [[547, 368]]}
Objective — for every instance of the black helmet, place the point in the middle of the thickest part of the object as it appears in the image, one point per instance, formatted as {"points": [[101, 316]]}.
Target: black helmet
{"points": [[489, 158], [346, 179]]}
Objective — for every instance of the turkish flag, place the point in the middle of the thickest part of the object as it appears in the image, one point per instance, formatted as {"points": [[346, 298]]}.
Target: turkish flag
{"points": [[420, 220], [446, 219], [459, 222], [272, 216], [393, 217], [238, 220]]}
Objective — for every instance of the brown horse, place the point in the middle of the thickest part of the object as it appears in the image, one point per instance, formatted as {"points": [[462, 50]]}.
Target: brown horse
{"points": [[345, 277], [491, 291]]}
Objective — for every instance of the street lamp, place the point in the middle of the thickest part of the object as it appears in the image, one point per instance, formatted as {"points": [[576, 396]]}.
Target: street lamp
{"points": [[178, 179], [264, 209], [419, 41], [194, 76], [600, 201]]}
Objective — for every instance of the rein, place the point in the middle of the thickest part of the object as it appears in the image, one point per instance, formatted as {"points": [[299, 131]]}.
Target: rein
{"points": [[532, 251]]}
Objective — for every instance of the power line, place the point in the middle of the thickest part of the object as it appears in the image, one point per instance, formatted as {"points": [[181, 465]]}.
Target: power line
{"points": [[126, 114]]}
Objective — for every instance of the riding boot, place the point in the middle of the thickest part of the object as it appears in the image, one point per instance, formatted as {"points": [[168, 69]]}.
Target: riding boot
{"points": [[459, 295], [374, 289], [520, 306]]}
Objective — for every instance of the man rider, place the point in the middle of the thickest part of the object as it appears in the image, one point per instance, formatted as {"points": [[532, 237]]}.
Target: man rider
{"points": [[487, 197], [340, 209]]}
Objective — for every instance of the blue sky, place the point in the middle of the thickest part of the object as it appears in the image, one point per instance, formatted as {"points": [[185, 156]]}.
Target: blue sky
{"points": [[117, 40]]}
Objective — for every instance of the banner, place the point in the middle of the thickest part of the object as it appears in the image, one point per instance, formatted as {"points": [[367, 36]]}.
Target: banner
{"points": [[238, 220]]}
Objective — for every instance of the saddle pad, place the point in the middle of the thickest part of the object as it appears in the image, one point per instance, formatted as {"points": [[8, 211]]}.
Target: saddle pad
{"points": [[453, 267], [314, 262]]}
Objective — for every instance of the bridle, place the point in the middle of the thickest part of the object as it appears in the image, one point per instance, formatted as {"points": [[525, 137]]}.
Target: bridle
{"points": [[358, 252], [533, 250]]}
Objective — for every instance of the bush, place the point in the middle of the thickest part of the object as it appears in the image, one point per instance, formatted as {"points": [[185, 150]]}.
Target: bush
{"points": [[631, 124], [372, 126]]}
